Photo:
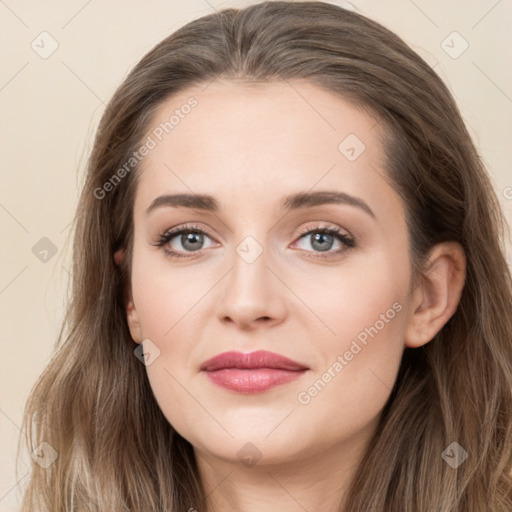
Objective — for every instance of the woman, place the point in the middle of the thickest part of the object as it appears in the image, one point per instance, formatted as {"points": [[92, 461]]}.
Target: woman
{"points": [[289, 291]]}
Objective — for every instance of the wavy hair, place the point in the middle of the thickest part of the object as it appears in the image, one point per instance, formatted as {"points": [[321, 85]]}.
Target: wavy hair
{"points": [[93, 403]]}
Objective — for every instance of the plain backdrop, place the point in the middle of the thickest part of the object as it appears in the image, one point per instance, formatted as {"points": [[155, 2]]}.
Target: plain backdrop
{"points": [[51, 103]]}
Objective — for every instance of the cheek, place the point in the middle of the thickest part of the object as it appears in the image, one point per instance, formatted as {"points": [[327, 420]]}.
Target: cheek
{"points": [[164, 296], [168, 302], [163, 305], [358, 366], [365, 310], [361, 299]]}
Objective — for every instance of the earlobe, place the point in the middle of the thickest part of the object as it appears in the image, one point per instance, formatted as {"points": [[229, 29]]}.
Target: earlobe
{"points": [[438, 294], [133, 320]]}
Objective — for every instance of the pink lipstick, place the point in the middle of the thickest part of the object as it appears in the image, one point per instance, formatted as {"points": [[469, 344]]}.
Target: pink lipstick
{"points": [[252, 372]]}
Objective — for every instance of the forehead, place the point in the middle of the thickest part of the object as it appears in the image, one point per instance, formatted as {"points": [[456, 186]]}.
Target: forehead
{"points": [[231, 138]]}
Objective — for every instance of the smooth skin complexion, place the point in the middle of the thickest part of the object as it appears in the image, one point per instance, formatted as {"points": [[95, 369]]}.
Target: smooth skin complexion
{"points": [[306, 296]]}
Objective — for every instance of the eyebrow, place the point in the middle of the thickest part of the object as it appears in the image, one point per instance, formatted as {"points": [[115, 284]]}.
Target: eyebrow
{"points": [[295, 201]]}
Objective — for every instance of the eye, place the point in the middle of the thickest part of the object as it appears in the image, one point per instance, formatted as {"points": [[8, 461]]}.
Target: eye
{"points": [[187, 239], [183, 239], [321, 239]]}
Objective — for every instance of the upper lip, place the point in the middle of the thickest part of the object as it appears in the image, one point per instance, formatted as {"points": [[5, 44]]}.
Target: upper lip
{"points": [[257, 359]]}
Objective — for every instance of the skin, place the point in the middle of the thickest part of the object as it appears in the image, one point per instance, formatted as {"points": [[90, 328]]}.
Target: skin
{"points": [[249, 146]]}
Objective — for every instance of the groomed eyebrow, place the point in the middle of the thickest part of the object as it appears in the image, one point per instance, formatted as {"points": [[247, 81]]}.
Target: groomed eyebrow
{"points": [[295, 201], [309, 199]]}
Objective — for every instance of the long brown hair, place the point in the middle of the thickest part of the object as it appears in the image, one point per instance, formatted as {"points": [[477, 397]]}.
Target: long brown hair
{"points": [[93, 403]]}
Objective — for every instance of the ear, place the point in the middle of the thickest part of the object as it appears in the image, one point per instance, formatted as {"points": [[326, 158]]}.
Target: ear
{"points": [[131, 313], [437, 296]]}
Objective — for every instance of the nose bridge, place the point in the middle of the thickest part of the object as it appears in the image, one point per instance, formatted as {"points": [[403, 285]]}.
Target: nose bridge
{"points": [[252, 291], [249, 275]]}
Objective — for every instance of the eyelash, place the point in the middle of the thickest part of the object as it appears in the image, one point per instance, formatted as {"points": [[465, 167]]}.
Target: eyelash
{"points": [[167, 236]]}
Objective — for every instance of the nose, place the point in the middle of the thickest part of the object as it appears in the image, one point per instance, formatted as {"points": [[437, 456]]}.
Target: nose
{"points": [[253, 296]]}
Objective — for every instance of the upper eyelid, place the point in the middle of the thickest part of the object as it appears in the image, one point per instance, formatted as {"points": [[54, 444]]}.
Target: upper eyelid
{"points": [[321, 225]]}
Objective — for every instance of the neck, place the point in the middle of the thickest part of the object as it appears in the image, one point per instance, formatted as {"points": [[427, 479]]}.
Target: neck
{"points": [[318, 480]]}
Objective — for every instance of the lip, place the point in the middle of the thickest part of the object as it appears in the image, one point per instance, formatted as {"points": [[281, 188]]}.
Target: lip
{"points": [[252, 372], [251, 360]]}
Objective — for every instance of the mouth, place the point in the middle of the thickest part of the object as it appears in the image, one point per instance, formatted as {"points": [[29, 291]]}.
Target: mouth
{"points": [[253, 372]]}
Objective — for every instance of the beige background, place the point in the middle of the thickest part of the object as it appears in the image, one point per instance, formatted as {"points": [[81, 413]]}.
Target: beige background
{"points": [[50, 108]]}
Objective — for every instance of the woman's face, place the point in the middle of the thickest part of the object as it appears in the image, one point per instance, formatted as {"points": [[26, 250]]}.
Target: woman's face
{"points": [[279, 163]]}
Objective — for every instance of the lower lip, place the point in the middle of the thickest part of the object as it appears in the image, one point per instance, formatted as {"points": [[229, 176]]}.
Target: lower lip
{"points": [[252, 381]]}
